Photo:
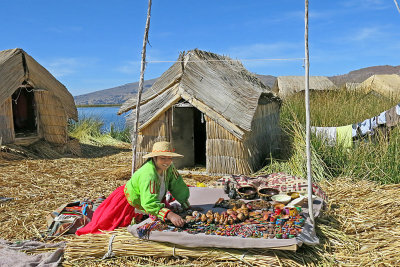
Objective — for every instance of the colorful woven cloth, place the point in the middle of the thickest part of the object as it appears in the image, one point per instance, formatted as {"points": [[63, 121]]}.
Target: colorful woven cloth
{"points": [[290, 183], [283, 182]]}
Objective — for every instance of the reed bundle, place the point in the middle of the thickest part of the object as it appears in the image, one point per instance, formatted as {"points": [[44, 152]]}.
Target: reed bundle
{"points": [[370, 215], [89, 247]]}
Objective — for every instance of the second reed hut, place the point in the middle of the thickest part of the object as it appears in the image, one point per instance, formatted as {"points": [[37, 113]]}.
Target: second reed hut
{"points": [[286, 86], [33, 104], [387, 85], [214, 111]]}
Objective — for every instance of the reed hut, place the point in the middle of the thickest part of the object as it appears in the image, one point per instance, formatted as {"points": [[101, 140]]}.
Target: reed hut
{"points": [[387, 85], [289, 85], [33, 104], [214, 111], [350, 86]]}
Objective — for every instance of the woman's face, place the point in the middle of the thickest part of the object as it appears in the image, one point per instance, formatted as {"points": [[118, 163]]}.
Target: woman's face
{"points": [[162, 162]]}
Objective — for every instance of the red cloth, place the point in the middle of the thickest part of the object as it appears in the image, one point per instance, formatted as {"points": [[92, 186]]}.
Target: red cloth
{"points": [[112, 213]]}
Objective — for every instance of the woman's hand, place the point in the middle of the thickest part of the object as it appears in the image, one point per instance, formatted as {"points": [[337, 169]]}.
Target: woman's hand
{"points": [[175, 219]]}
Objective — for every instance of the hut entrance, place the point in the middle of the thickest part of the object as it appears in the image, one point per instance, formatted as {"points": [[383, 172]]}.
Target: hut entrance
{"points": [[24, 112], [199, 137], [189, 135]]}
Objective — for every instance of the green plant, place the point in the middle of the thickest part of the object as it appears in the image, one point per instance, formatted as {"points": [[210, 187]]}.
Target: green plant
{"points": [[372, 157], [123, 135], [86, 128]]}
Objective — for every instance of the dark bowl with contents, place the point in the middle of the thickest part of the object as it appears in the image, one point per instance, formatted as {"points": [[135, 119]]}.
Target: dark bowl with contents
{"points": [[247, 192], [267, 193]]}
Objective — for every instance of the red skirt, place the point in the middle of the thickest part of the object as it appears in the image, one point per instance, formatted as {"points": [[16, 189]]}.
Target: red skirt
{"points": [[112, 213]]}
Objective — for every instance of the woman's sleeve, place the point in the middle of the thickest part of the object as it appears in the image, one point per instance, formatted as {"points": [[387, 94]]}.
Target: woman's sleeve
{"points": [[149, 197], [178, 188]]}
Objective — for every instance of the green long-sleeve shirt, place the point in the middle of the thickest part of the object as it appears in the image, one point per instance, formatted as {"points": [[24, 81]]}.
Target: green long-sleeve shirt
{"points": [[143, 188]]}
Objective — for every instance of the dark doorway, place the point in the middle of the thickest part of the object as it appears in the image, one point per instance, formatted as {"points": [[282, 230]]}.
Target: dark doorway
{"points": [[200, 137], [24, 112]]}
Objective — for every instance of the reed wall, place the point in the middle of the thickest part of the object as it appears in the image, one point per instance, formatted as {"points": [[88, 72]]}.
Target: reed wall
{"points": [[51, 117], [226, 154], [158, 130], [6, 122], [265, 136]]}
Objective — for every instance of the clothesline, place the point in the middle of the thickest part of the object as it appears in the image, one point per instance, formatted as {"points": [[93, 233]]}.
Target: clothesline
{"points": [[225, 60], [344, 134]]}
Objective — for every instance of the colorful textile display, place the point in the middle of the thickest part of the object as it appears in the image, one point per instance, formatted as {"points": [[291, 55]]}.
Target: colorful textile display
{"points": [[275, 223], [201, 231]]}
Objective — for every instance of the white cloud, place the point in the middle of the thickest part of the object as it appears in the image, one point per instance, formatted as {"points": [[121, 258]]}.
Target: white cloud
{"points": [[62, 66], [366, 33]]}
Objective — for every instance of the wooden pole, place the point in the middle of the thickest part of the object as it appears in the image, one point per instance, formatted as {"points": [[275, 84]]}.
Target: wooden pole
{"points": [[139, 94], [307, 102], [397, 5]]}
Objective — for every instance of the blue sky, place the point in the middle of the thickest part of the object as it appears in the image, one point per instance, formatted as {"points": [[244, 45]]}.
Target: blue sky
{"points": [[96, 44]]}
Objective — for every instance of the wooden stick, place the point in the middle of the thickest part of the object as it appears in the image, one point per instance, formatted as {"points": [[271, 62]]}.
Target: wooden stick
{"points": [[142, 68]]}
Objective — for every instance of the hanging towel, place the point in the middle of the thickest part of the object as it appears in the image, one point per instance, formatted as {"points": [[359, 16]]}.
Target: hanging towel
{"points": [[382, 118], [392, 118], [374, 123], [326, 133], [365, 126], [344, 136], [354, 129]]}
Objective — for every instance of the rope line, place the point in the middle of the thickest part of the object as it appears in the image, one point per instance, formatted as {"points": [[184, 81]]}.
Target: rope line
{"points": [[224, 60], [109, 253]]}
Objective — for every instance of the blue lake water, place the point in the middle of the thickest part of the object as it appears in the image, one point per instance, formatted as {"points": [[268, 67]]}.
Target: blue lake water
{"points": [[106, 114]]}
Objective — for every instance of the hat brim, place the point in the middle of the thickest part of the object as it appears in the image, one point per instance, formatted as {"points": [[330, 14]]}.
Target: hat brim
{"points": [[165, 154]]}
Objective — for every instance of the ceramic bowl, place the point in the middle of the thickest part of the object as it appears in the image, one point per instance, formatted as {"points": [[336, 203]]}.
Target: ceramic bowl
{"points": [[247, 192], [267, 193], [284, 199], [294, 195]]}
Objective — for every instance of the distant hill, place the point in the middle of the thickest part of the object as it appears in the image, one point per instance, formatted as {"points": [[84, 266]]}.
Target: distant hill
{"points": [[115, 95], [119, 94], [358, 76]]}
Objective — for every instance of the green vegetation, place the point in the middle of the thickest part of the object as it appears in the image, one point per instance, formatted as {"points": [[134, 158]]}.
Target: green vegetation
{"points": [[88, 130], [374, 158]]}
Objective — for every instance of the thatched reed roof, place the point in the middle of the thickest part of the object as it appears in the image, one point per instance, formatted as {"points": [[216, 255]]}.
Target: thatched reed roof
{"points": [[387, 85], [216, 85], [287, 85], [352, 86], [16, 67]]}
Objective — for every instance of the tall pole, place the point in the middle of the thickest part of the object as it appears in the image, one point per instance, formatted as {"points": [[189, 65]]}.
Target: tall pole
{"points": [[139, 94], [397, 5], [307, 103]]}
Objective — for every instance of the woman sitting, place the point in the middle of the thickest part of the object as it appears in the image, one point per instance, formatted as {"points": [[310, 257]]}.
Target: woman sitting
{"points": [[144, 194]]}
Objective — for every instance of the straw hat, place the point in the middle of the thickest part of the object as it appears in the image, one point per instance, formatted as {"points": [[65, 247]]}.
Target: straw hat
{"points": [[162, 149]]}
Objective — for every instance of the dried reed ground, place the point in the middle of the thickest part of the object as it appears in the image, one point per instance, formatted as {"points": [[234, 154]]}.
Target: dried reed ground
{"points": [[360, 227]]}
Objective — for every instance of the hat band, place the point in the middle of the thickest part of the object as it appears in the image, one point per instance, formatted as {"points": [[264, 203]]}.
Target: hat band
{"points": [[173, 150]]}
